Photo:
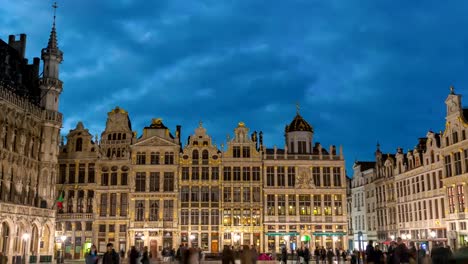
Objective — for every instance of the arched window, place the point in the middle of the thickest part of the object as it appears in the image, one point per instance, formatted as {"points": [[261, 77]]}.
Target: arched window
{"points": [[205, 157], [79, 145], [114, 136], [119, 136], [140, 211], [124, 136], [109, 137], [195, 157], [5, 237]]}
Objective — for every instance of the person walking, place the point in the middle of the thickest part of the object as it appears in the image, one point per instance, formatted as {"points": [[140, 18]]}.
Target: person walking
{"points": [[110, 257], [91, 257], [370, 252], [133, 255]]}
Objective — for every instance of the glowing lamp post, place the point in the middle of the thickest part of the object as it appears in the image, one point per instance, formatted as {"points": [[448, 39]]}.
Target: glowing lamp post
{"points": [[25, 238]]}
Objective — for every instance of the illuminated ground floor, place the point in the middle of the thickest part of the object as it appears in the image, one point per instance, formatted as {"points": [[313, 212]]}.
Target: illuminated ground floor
{"points": [[26, 233]]}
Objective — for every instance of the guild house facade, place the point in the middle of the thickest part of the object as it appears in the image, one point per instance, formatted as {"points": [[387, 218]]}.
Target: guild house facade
{"points": [[29, 143], [150, 190]]}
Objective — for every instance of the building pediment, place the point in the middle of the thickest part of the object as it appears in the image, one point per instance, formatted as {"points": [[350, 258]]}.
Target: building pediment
{"points": [[155, 141]]}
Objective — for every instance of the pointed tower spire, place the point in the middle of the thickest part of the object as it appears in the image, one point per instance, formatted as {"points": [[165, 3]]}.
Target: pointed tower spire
{"points": [[53, 34], [50, 84]]}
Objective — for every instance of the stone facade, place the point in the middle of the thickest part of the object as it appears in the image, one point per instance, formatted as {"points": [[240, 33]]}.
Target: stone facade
{"points": [[420, 194], [152, 191], [29, 139]]}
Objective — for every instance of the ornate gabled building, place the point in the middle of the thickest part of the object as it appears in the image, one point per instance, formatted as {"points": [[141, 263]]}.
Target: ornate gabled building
{"points": [[454, 155], [29, 139], [200, 188], [154, 203], [149, 191], [242, 190], [113, 182], [76, 186], [304, 192]]}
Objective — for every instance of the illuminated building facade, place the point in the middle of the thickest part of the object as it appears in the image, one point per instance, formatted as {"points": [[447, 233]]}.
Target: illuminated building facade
{"points": [[199, 192], [304, 193], [29, 139]]}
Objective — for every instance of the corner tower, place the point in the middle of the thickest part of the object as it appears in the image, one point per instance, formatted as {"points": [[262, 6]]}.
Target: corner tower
{"points": [[299, 135], [50, 84]]}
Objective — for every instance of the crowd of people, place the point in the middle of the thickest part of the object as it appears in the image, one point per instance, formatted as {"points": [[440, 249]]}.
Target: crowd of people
{"points": [[397, 253]]}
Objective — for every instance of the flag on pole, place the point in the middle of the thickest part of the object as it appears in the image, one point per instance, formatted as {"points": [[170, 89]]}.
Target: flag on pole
{"points": [[60, 201]]}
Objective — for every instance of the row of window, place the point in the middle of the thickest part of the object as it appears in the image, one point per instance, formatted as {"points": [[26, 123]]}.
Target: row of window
{"points": [[455, 138], [197, 173], [154, 184], [153, 213], [78, 226], [456, 199], [453, 226], [83, 203], [286, 176], [109, 205], [421, 210], [85, 174], [244, 217], [456, 168], [13, 142], [155, 158], [278, 205], [199, 217], [429, 181]]}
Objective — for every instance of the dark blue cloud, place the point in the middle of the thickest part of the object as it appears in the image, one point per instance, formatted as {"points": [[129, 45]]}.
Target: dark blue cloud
{"points": [[363, 72]]}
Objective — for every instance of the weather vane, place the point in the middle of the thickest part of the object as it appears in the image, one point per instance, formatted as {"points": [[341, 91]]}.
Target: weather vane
{"points": [[55, 6], [297, 107]]}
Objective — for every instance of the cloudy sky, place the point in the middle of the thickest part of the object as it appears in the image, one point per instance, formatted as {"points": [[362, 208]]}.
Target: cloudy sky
{"points": [[363, 71]]}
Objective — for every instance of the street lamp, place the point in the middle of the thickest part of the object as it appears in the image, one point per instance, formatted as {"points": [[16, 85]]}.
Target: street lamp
{"points": [[25, 238], [61, 256]]}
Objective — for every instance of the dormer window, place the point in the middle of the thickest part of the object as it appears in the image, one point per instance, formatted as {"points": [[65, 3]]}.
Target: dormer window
{"points": [[79, 145], [301, 147], [236, 153], [455, 137], [246, 152]]}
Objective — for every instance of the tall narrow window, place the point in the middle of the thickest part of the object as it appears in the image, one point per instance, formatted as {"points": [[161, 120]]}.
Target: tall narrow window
{"points": [[214, 194], [246, 173], [195, 217], [256, 174], [338, 204], [184, 217], [79, 144], [236, 174], [124, 178], [281, 204], [195, 157], [227, 194], [316, 175], [451, 202], [123, 204], [246, 194], [205, 194], [214, 173], [140, 210], [214, 217], [336, 176], [326, 177], [80, 205], [227, 174], [154, 182], [114, 178], [195, 173], [291, 204], [81, 173], [302, 147], [291, 176], [246, 152], [154, 211], [256, 194], [270, 175], [71, 173], [168, 210], [91, 173], [237, 194], [317, 205], [280, 176], [461, 198], [105, 179], [448, 166], [457, 163], [89, 202], [103, 206], [168, 182], [270, 204], [195, 194], [185, 173], [304, 205], [113, 204], [63, 173], [205, 173], [184, 194], [140, 181], [205, 158], [236, 152]]}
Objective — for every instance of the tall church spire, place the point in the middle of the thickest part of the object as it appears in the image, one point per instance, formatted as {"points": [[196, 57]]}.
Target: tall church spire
{"points": [[50, 84], [53, 34]]}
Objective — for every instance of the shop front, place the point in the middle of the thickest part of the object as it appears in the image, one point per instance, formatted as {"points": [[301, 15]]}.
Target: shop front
{"points": [[278, 240]]}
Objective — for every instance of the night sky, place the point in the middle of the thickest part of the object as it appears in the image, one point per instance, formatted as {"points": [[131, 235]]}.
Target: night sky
{"points": [[362, 71]]}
